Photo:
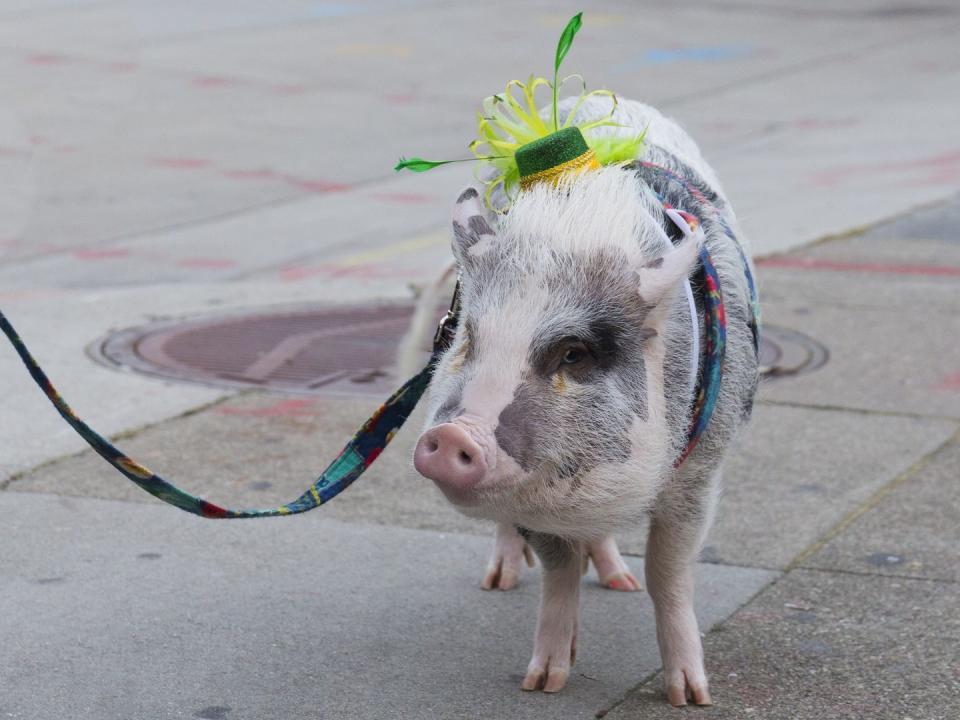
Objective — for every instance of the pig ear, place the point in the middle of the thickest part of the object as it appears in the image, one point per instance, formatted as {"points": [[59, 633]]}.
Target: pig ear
{"points": [[473, 232], [660, 277]]}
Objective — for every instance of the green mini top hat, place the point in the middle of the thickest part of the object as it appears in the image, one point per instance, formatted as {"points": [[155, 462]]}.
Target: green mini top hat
{"points": [[520, 144], [549, 158]]}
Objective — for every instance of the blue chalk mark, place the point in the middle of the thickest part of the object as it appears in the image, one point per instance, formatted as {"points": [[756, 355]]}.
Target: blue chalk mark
{"points": [[188, 17], [664, 56]]}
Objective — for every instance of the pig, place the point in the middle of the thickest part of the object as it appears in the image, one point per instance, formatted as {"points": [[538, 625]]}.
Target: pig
{"points": [[561, 408]]}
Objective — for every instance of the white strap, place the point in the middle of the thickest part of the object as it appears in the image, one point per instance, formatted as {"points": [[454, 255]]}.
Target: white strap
{"points": [[681, 223], [695, 344]]}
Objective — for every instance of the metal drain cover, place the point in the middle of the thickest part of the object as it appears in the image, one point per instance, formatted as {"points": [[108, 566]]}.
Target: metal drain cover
{"points": [[339, 350], [331, 350], [785, 352]]}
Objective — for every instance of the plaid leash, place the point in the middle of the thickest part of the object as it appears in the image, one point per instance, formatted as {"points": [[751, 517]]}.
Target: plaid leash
{"points": [[357, 455]]}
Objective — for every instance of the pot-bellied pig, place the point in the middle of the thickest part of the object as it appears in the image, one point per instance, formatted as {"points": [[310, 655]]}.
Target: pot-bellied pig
{"points": [[563, 408]]}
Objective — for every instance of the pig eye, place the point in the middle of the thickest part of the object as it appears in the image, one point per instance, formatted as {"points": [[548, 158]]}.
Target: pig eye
{"points": [[574, 354]]}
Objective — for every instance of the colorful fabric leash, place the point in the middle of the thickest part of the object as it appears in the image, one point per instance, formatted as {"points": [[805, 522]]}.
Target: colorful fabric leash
{"points": [[714, 334], [356, 456]]}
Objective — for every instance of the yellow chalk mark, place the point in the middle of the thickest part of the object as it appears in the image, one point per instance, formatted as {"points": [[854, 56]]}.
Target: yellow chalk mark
{"points": [[394, 249]]}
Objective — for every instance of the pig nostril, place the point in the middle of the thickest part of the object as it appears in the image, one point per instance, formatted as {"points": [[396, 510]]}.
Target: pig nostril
{"points": [[465, 458], [433, 445]]}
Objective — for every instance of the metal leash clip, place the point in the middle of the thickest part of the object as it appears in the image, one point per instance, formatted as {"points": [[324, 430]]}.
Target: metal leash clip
{"points": [[448, 324]]}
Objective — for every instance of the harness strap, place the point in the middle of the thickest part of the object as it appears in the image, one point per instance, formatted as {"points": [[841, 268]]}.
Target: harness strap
{"points": [[357, 455]]}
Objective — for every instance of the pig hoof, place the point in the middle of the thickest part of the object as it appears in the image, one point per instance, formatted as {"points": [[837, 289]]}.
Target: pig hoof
{"points": [[680, 689], [549, 680], [509, 553], [502, 575], [624, 582], [611, 569]]}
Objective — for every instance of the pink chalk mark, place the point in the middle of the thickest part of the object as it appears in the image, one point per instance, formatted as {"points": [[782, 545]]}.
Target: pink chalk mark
{"points": [[121, 66], [295, 274], [401, 98], [207, 263], [240, 174], [46, 59], [944, 167], [807, 263], [100, 253], [316, 186], [14, 152], [282, 408], [213, 81], [181, 163], [405, 198], [815, 123], [950, 382]]}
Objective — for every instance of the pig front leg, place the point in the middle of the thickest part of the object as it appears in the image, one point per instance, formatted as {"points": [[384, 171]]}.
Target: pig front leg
{"points": [[509, 552], [555, 644], [682, 515]]}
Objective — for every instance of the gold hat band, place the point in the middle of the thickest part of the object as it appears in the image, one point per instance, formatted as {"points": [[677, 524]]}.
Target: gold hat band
{"points": [[575, 166]]}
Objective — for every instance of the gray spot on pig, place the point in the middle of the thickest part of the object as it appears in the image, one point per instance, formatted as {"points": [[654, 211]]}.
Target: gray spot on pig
{"points": [[654, 264], [531, 422], [51, 580], [464, 238], [467, 194], [519, 423], [479, 225]]}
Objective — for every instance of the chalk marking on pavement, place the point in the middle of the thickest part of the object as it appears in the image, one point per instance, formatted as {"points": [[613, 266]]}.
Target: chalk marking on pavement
{"points": [[804, 263], [393, 249], [370, 257]]}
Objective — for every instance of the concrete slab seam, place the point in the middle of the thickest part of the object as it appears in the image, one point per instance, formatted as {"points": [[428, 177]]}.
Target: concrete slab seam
{"points": [[858, 230], [856, 410], [867, 574], [871, 502], [6, 483]]}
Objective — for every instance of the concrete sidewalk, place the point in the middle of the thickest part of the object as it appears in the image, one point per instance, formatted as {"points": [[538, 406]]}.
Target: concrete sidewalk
{"points": [[168, 160]]}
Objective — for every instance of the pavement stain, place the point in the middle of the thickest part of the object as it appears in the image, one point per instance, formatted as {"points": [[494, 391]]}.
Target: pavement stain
{"points": [[213, 712]]}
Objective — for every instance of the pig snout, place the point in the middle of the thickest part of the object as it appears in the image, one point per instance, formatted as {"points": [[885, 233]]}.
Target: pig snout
{"points": [[451, 458]]}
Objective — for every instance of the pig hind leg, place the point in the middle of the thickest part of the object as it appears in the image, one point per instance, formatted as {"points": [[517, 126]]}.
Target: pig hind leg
{"points": [[678, 524], [555, 643], [612, 571], [510, 551]]}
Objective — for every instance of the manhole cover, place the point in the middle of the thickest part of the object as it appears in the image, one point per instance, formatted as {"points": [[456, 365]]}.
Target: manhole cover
{"points": [[333, 350], [785, 352], [339, 350]]}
